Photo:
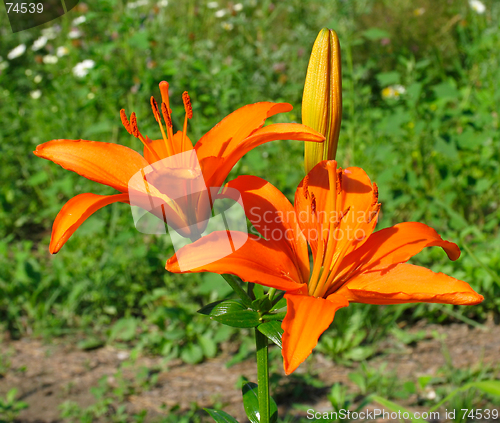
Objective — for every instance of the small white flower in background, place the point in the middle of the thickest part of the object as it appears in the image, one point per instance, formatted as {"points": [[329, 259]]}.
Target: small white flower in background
{"points": [[238, 7], [228, 26], [62, 51], [78, 21], [3, 65], [16, 52], [36, 94], [82, 69], [37, 79], [28, 72], [90, 96], [393, 91], [419, 12], [220, 13], [51, 32], [162, 3], [50, 59], [477, 6], [74, 33], [138, 3], [430, 393], [212, 5], [39, 43]]}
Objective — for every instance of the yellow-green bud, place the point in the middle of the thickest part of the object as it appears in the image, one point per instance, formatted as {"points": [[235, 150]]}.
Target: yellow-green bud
{"points": [[322, 98]]}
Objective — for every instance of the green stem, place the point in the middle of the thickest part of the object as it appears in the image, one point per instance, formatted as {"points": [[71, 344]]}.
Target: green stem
{"points": [[233, 283], [262, 376]]}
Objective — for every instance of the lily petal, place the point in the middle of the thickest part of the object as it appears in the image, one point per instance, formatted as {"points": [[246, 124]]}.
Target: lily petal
{"points": [[75, 212], [274, 132], [228, 133], [273, 216], [257, 261], [103, 162], [407, 283], [306, 319], [396, 244]]}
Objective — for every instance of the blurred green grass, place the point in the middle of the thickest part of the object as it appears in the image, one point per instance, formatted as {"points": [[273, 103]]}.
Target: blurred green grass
{"points": [[433, 149]]}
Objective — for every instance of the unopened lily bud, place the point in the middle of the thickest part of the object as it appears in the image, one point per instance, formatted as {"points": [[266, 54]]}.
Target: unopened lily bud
{"points": [[322, 98]]}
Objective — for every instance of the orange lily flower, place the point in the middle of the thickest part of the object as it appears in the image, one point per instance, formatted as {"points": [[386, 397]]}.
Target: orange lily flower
{"points": [[335, 213], [114, 165]]}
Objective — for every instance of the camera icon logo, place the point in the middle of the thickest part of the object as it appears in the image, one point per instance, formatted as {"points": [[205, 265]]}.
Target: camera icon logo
{"points": [[26, 14], [171, 196]]}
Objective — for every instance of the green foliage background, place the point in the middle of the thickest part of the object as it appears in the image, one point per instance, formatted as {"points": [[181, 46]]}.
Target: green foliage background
{"points": [[434, 152]]}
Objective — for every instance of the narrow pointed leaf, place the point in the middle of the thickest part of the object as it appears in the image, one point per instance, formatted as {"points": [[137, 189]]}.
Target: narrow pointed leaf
{"points": [[280, 303], [491, 387], [395, 407], [239, 319], [251, 404], [273, 331], [221, 307], [262, 304], [220, 416]]}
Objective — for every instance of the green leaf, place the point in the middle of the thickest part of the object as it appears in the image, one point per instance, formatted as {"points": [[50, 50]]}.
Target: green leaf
{"points": [[423, 381], [231, 313], [239, 319], [376, 34], [258, 290], [124, 329], [220, 416], [192, 354], [448, 149], [273, 331], [90, 344], [395, 407], [445, 90], [103, 127], [221, 307], [11, 395], [214, 283], [251, 404], [208, 346], [491, 387], [280, 304], [262, 304], [388, 78]]}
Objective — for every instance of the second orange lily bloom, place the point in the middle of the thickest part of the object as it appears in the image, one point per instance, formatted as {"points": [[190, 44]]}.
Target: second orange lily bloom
{"points": [[114, 165], [335, 213]]}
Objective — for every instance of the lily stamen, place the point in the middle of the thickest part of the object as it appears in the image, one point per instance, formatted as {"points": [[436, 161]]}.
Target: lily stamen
{"points": [[133, 130], [189, 114], [156, 113], [165, 108]]}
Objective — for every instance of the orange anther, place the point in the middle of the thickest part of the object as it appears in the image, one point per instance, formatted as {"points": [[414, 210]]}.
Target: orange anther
{"points": [[156, 112], [187, 104], [125, 121], [166, 115], [133, 125]]}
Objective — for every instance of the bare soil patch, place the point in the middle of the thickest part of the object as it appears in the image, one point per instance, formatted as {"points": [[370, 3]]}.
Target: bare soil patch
{"points": [[46, 375]]}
